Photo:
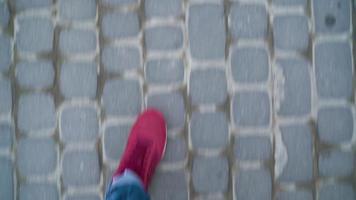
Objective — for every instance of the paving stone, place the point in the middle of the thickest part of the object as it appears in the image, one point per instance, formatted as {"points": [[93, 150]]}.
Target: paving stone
{"points": [[6, 135], [5, 53], [35, 34], [332, 16], [333, 68], [119, 59], [163, 38], [176, 150], [36, 112], [291, 33], [207, 23], [120, 25], [75, 170], [302, 3], [4, 15], [296, 100], [208, 86], [163, 8], [172, 107], [35, 74], [115, 138], [79, 124], [122, 97], [83, 197], [164, 71], [294, 195], [78, 80], [210, 175], [251, 109], [108, 173], [336, 192], [209, 130], [5, 96], [248, 21], [120, 2], [253, 148], [253, 184], [6, 179], [33, 4], [336, 163], [28, 152], [38, 191], [249, 65], [77, 9], [299, 145], [169, 185], [335, 124], [77, 41]]}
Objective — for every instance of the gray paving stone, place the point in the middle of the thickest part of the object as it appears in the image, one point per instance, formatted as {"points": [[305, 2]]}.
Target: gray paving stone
{"points": [[77, 9], [172, 107], [164, 71], [79, 124], [248, 21], [80, 168], [163, 38], [33, 4], [251, 109], [296, 100], [77, 41], [35, 34], [253, 148], [209, 130], [121, 97], [163, 8], [294, 195], [119, 59], [336, 192], [176, 150], [206, 23], [253, 184], [332, 16], [291, 32], [249, 65], [35, 74], [115, 138], [120, 25], [38, 191], [36, 112], [335, 124], [28, 153], [208, 86], [333, 68], [4, 15], [5, 53], [299, 145], [5, 96], [336, 163], [83, 197], [6, 135], [169, 185], [210, 175], [78, 80], [6, 179], [302, 3], [120, 2]]}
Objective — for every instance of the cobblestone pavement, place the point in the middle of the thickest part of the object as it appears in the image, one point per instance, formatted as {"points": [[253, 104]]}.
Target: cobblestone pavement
{"points": [[258, 95]]}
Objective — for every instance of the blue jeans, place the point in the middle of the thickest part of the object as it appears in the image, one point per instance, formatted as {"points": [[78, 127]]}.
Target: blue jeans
{"points": [[127, 186]]}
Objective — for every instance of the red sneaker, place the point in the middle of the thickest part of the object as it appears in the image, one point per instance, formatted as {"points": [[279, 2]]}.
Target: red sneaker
{"points": [[145, 146]]}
